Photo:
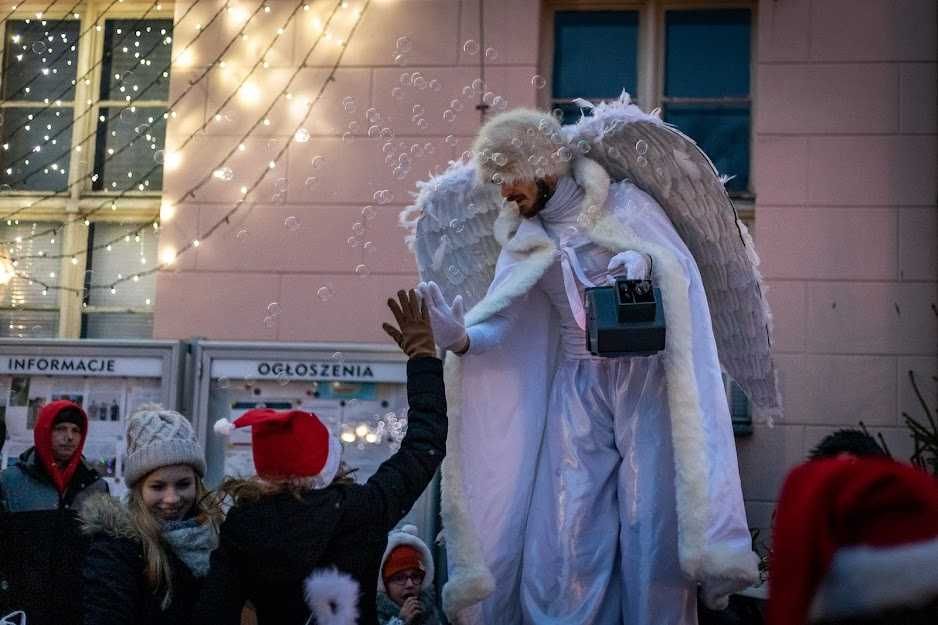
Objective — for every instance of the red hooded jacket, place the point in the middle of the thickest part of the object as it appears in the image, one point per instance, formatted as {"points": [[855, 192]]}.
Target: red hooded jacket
{"points": [[61, 477]]}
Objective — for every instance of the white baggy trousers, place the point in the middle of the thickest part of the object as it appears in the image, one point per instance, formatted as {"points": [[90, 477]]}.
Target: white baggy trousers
{"points": [[601, 539]]}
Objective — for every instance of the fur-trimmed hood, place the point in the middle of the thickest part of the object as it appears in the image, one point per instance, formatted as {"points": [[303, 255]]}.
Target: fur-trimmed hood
{"points": [[103, 514]]}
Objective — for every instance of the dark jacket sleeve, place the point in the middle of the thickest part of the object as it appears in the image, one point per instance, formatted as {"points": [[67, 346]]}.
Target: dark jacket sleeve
{"points": [[392, 490], [112, 591], [222, 598]]}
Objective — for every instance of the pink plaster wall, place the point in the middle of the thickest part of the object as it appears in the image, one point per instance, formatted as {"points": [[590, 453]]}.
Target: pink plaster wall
{"points": [[844, 168], [223, 288]]}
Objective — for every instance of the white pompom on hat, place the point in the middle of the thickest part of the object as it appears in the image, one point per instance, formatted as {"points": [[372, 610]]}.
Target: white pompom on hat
{"points": [[521, 144]]}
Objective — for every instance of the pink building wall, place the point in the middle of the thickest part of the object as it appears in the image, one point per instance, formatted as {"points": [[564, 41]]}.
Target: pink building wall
{"points": [[844, 165]]}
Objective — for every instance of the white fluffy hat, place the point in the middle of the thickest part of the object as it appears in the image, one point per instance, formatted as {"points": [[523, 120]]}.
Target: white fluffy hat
{"points": [[521, 144]]}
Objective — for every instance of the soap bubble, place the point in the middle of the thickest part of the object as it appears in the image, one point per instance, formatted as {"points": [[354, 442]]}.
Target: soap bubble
{"points": [[273, 309], [491, 54], [499, 103], [339, 357], [467, 91], [223, 382], [318, 161], [457, 225], [449, 116], [362, 270], [538, 81], [269, 322], [450, 140], [283, 379], [311, 182], [404, 44], [324, 293], [358, 228], [400, 59], [564, 154], [499, 159], [159, 156], [471, 46], [353, 126], [456, 105], [374, 131], [642, 161], [420, 82], [435, 85], [478, 85], [641, 146], [397, 93], [292, 223], [348, 103], [422, 124], [354, 242], [583, 146], [39, 47], [455, 275], [405, 79], [372, 115], [242, 235], [428, 148], [417, 109], [368, 247], [369, 213]]}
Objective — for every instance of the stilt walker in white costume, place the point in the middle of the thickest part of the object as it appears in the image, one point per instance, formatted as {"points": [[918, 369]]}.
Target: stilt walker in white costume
{"points": [[578, 489]]}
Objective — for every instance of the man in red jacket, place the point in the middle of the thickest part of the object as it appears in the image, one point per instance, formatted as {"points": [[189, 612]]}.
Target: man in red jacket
{"points": [[41, 547]]}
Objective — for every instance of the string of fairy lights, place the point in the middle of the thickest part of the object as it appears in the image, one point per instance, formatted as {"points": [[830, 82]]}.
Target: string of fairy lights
{"points": [[112, 200], [168, 255], [158, 157], [112, 155], [56, 101]]}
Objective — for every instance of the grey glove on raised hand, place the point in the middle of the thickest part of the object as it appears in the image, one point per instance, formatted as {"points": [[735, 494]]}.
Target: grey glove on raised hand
{"points": [[448, 320]]}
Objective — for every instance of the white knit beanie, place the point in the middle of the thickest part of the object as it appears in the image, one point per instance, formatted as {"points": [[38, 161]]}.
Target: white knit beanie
{"points": [[521, 144], [156, 438]]}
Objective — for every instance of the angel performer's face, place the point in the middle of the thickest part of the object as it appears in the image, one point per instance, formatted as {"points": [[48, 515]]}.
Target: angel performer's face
{"points": [[531, 196]]}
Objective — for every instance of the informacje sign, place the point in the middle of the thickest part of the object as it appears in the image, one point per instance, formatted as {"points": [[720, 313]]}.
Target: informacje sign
{"points": [[82, 366], [310, 370]]}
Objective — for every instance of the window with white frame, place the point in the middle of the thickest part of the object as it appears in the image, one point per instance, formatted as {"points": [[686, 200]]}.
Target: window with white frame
{"points": [[83, 101], [690, 59]]}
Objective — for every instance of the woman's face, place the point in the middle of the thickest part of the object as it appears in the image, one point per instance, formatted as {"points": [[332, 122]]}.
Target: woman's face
{"points": [[169, 492]]}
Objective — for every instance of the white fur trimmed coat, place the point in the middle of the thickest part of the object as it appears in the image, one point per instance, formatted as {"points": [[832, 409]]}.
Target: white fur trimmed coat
{"points": [[497, 406]]}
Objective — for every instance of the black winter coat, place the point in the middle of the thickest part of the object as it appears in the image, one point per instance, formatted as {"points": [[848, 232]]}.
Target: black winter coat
{"points": [[269, 547], [41, 545], [115, 589]]}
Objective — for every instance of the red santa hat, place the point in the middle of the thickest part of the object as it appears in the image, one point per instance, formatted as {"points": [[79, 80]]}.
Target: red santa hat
{"points": [[853, 538], [289, 444]]}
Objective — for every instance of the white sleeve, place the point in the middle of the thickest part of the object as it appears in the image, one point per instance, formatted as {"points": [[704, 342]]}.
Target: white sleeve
{"points": [[491, 332]]}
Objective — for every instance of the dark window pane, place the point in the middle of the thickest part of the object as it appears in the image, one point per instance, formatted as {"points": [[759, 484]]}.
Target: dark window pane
{"points": [[128, 255], [39, 61], [138, 164], [595, 53], [707, 53], [136, 55], [31, 251], [117, 326], [722, 132], [24, 129], [572, 112]]}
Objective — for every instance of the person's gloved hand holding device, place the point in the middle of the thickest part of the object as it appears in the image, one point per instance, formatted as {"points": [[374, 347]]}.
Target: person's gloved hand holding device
{"points": [[448, 320], [637, 266]]}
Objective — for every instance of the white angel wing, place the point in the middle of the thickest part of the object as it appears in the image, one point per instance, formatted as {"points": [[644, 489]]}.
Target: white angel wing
{"points": [[451, 224], [670, 167]]}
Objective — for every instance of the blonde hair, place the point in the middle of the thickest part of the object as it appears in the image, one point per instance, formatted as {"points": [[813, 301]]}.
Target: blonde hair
{"points": [[157, 572], [254, 488]]}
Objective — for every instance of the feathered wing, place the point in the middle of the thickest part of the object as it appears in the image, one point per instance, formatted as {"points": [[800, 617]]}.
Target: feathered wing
{"points": [[670, 167], [451, 224]]}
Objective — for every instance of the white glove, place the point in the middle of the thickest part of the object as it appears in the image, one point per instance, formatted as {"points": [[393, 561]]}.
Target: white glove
{"points": [[448, 321], [637, 266]]}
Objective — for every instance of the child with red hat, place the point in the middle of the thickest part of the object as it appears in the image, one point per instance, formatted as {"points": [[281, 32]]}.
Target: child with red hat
{"points": [[298, 518], [855, 541], [405, 586]]}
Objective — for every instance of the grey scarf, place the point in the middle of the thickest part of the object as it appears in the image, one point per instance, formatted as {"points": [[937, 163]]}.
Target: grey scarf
{"points": [[192, 542]]}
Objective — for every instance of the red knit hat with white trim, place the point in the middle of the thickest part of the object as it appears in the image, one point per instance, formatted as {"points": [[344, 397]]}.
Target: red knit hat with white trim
{"points": [[289, 443], [853, 538]]}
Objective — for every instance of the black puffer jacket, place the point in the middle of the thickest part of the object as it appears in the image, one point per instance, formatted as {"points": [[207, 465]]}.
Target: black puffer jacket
{"points": [[115, 589], [268, 548]]}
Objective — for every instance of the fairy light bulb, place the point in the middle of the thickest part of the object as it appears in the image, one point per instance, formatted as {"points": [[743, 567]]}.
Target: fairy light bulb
{"points": [[167, 211], [249, 92], [171, 160], [168, 255], [185, 59]]}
